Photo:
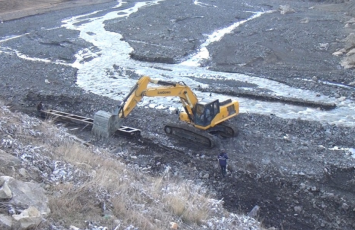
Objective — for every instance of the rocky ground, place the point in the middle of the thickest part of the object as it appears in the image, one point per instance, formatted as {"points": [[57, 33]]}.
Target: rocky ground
{"points": [[289, 168]]}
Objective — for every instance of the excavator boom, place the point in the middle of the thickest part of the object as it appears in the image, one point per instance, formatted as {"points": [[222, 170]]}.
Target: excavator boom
{"points": [[166, 89]]}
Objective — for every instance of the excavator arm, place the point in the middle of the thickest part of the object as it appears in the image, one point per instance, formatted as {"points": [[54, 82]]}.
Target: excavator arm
{"points": [[166, 89]]}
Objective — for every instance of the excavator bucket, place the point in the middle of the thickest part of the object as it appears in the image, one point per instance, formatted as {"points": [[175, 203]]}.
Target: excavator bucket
{"points": [[105, 124]]}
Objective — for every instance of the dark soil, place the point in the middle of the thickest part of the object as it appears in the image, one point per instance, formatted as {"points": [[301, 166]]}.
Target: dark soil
{"points": [[286, 167]]}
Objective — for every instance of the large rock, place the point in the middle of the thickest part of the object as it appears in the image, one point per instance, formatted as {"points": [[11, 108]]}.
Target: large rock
{"points": [[8, 163], [5, 192], [286, 9], [350, 41], [348, 62], [25, 194], [5, 222], [27, 219]]}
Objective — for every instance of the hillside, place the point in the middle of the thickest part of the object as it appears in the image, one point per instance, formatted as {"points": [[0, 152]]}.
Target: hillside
{"points": [[49, 180]]}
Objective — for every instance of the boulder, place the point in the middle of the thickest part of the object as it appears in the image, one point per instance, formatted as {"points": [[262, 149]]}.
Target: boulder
{"points": [[5, 222], [8, 163], [348, 62], [350, 41], [5, 192], [25, 194], [173, 225], [27, 219], [286, 9]]}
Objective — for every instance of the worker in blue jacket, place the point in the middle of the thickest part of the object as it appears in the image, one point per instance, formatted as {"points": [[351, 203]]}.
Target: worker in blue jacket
{"points": [[222, 160]]}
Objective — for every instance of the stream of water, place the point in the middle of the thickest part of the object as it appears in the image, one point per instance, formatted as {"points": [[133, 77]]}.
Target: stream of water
{"points": [[93, 75], [96, 70]]}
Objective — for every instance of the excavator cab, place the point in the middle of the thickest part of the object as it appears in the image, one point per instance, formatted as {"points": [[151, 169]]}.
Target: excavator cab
{"points": [[205, 112]]}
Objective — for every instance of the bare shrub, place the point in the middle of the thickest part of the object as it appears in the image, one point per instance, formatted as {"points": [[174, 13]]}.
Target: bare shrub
{"points": [[73, 205], [185, 201], [176, 203]]}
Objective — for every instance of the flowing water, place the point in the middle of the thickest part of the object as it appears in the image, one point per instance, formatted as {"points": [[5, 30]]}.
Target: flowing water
{"points": [[96, 70]]}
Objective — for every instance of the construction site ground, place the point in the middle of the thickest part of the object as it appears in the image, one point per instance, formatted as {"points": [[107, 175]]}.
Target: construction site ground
{"points": [[291, 168]]}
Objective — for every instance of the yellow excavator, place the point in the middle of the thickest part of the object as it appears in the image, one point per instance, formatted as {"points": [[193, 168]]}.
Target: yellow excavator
{"points": [[206, 117]]}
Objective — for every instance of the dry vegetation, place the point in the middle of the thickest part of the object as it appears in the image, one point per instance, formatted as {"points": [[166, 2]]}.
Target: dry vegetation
{"points": [[95, 187], [108, 189]]}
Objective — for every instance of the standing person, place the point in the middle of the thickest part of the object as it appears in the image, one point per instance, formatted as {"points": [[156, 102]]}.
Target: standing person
{"points": [[40, 109], [222, 160]]}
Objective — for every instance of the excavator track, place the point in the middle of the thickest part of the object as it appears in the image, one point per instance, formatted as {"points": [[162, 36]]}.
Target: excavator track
{"points": [[224, 129], [194, 135]]}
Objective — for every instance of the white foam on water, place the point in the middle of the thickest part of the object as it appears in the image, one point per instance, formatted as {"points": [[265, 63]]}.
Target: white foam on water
{"points": [[96, 71]]}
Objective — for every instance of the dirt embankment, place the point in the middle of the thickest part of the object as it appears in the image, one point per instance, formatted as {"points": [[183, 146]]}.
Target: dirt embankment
{"points": [[14, 9]]}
